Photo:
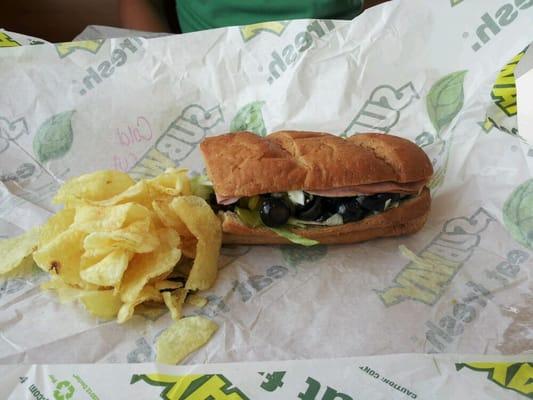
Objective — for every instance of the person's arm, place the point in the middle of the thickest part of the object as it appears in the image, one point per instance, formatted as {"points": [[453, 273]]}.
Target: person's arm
{"points": [[142, 15], [371, 3]]}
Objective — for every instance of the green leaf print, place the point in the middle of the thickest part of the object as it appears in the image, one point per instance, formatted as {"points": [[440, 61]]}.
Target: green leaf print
{"points": [[445, 99], [54, 137], [295, 255], [518, 214], [249, 118]]}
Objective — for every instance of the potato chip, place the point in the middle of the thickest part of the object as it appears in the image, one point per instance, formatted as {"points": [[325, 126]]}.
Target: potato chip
{"points": [[64, 292], [173, 182], [135, 237], [169, 236], [13, 251], [55, 225], [166, 285], [138, 193], [88, 259], [159, 278], [148, 293], [182, 338], [152, 311], [101, 303], [174, 301], [97, 186], [106, 219], [169, 218], [144, 267], [188, 247], [27, 268], [196, 300], [61, 256], [109, 271], [117, 246], [200, 219]]}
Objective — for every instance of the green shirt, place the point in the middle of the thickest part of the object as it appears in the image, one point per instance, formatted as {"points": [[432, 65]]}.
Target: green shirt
{"points": [[195, 15]]}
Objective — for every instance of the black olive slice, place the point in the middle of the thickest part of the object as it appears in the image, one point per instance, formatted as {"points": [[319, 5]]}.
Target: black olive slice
{"points": [[350, 210], [377, 202], [274, 212], [311, 211]]}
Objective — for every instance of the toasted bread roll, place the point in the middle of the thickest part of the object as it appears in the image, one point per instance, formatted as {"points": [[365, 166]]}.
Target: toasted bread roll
{"points": [[410, 217], [243, 164]]}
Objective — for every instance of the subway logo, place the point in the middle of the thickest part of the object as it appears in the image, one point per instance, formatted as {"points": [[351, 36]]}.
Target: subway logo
{"points": [[513, 376], [190, 387], [504, 89], [7, 41]]}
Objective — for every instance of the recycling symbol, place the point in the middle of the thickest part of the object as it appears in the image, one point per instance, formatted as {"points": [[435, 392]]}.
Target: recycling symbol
{"points": [[63, 391]]}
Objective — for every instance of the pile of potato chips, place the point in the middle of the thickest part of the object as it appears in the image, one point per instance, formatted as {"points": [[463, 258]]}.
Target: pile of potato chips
{"points": [[118, 244]]}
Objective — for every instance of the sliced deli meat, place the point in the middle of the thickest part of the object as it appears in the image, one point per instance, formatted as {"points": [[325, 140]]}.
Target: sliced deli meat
{"points": [[370, 189]]}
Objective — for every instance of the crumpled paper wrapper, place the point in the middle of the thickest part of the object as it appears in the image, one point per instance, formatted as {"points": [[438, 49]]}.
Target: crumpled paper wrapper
{"points": [[419, 69], [524, 87], [390, 377]]}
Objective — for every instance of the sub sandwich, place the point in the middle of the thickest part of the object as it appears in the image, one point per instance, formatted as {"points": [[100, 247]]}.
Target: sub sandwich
{"points": [[310, 187]]}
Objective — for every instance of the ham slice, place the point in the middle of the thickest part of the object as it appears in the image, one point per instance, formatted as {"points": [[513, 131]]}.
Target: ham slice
{"points": [[374, 188], [226, 201], [349, 191]]}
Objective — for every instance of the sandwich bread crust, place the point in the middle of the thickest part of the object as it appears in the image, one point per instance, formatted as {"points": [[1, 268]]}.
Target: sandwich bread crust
{"points": [[243, 164], [408, 218]]}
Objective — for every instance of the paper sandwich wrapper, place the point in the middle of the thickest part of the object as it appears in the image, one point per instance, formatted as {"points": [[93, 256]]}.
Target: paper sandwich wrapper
{"points": [[422, 70], [524, 87]]}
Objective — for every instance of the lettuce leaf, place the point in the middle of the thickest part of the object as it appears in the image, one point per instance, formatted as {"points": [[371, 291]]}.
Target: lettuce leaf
{"points": [[334, 220], [293, 237], [249, 217], [253, 220], [201, 186]]}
